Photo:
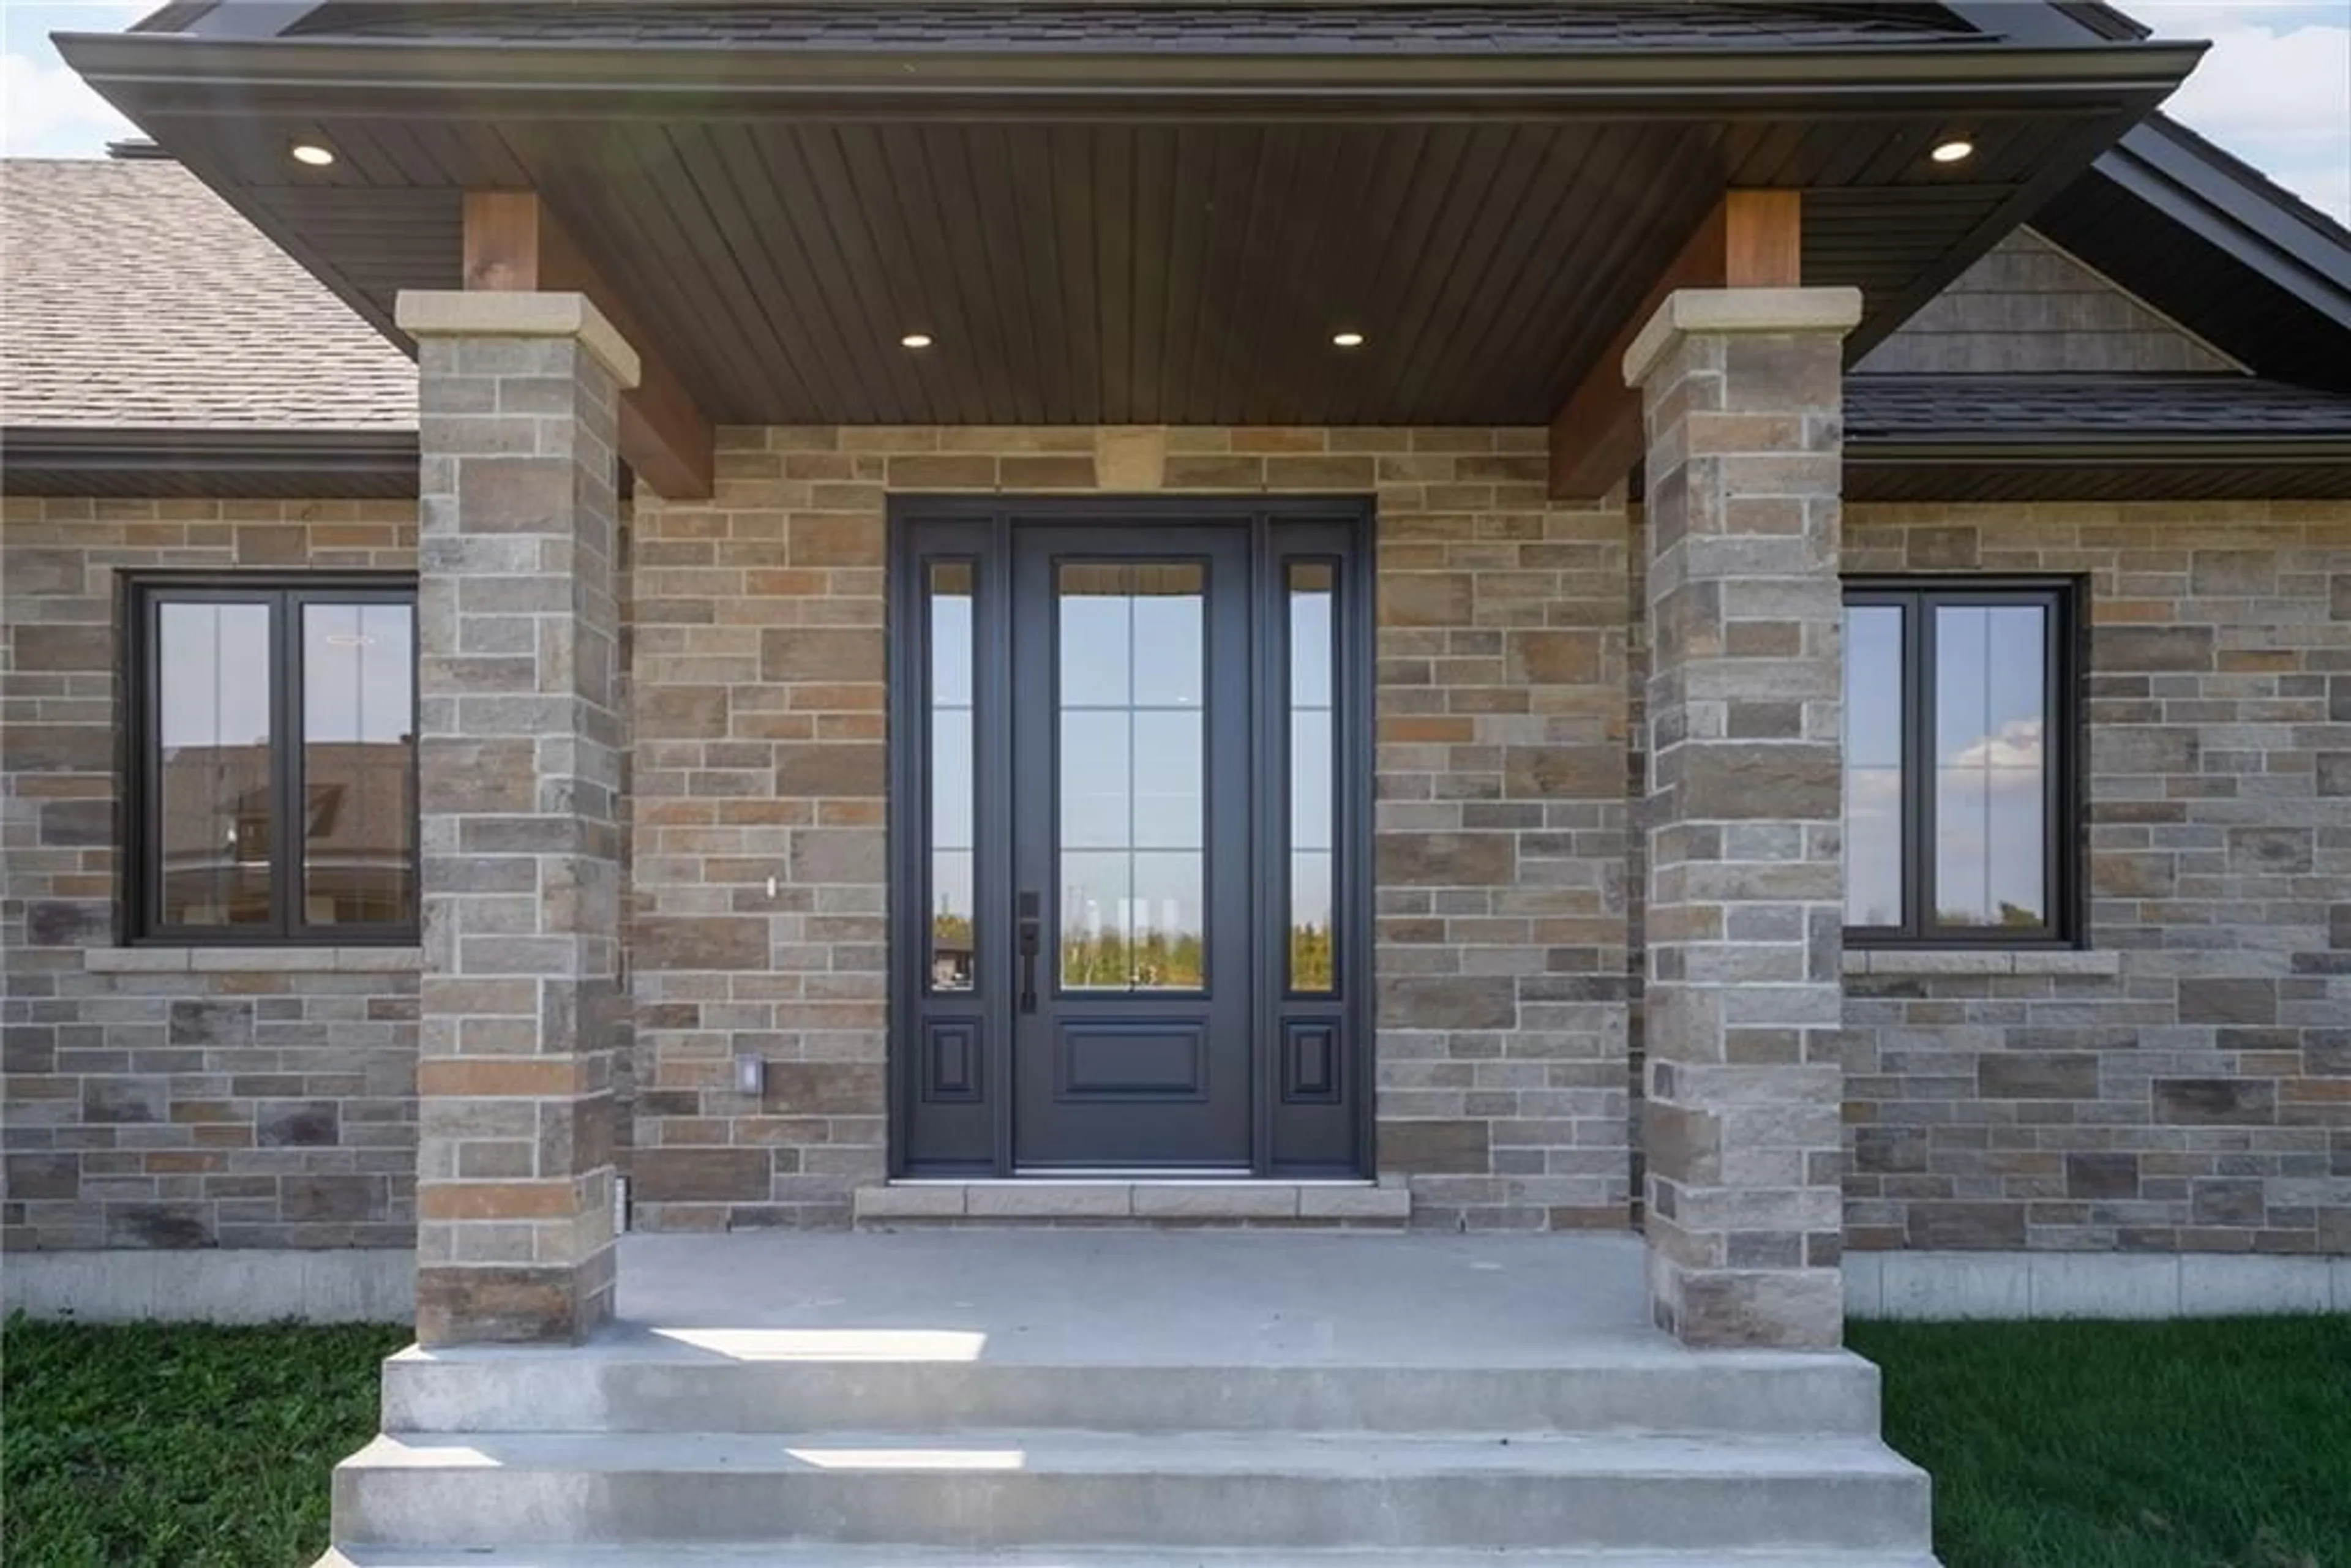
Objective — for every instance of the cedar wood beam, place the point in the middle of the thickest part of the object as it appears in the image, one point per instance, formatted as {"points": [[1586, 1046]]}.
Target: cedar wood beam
{"points": [[1750, 239], [513, 242]]}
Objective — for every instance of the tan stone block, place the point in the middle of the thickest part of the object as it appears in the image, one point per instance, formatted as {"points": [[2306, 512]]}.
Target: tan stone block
{"points": [[1190, 472], [844, 855], [1449, 1001], [1427, 729], [700, 1175], [853, 769], [821, 653], [1346, 473], [818, 540], [1433, 1147], [695, 942], [1554, 658], [1444, 859], [1049, 472], [681, 712], [1595, 772], [494, 1076], [1131, 458], [1424, 598], [63, 647], [496, 1199], [1283, 438]]}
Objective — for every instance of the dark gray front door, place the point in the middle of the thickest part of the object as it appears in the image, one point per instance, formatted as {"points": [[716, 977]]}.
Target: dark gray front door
{"points": [[1131, 847], [1128, 831]]}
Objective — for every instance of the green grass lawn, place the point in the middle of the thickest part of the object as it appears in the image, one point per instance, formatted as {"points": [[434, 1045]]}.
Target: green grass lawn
{"points": [[2196, 1445], [2213, 1443], [193, 1447]]}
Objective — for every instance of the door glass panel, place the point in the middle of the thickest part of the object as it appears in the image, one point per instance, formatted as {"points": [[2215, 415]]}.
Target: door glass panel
{"points": [[953, 935], [214, 732], [358, 748], [1313, 587], [1990, 681], [1131, 818]]}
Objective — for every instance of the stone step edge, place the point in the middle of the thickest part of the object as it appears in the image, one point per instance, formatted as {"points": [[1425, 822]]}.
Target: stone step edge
{"points": [[1387, 1201], [801, 1555], [1074, 1453], [1798, 1394]]}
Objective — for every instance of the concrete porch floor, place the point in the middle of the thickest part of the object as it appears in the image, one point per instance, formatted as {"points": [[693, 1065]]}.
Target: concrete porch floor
{"points": [[1153, 1298], [1130, 1399]]}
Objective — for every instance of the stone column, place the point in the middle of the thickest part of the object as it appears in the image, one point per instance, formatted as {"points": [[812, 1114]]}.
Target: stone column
{"points": [[1745, 992], [520, 728]]}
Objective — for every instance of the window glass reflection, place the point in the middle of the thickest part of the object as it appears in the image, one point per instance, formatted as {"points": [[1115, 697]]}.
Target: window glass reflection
{"points": [[1131, 679], [954, 935], [1991, 681], [1873, 767], [359, 752], [1313, 595], [213, 772]]}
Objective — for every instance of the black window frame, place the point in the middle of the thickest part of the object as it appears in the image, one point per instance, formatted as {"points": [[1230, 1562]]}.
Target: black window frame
{"points": [[141, 596], [2065, 668]]}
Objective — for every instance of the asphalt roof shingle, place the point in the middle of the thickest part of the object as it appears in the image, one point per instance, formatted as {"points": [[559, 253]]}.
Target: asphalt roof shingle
{"points": [[131, 296], [1214, 26]]}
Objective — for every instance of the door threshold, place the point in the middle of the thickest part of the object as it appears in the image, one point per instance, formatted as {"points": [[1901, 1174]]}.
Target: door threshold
{"points": [[1132, 1178], [1159, 1198]]}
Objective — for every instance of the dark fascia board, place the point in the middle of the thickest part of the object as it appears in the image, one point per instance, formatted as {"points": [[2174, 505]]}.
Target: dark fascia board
{"points": [[380, 454], [2180, 175], [167, 72], [2131, 451], [385, 459]]}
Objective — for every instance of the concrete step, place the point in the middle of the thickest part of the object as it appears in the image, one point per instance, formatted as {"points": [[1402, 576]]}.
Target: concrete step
{"points": [[782, 1381], [674, 1555], [1267, 1492]]}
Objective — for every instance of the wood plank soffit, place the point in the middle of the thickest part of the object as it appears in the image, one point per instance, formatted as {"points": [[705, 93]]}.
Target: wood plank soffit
{"points": [[513, 242], [1749, 239]]}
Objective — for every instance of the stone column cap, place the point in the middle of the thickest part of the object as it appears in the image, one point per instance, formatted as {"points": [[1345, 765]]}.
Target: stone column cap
{"points": [[518, 313], [1835, 311]]}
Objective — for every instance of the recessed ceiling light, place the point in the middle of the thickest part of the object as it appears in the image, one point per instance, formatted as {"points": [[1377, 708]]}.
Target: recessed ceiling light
{"points": [[1955, 151], [915, 340], [1347, 340], [313, 154]]}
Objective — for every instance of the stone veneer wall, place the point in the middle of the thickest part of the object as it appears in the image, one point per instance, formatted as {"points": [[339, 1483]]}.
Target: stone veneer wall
{"points": [[159, 1097], [2196, 1097], [759, 731]]}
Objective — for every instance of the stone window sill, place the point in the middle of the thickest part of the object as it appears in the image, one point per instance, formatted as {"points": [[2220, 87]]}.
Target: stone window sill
{"points": [[253, 960], [1980, 961]]}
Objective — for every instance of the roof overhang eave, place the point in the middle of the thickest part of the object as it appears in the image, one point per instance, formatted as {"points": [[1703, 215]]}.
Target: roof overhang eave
{"points": [[129, 449], [185, 74]]}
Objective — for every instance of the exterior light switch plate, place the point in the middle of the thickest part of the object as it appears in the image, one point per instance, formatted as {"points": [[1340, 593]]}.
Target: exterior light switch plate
{"points": [[750, 1075]]}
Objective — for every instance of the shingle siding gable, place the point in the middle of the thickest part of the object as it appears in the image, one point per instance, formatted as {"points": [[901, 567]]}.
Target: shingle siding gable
{"points": [[2029, 309]]}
